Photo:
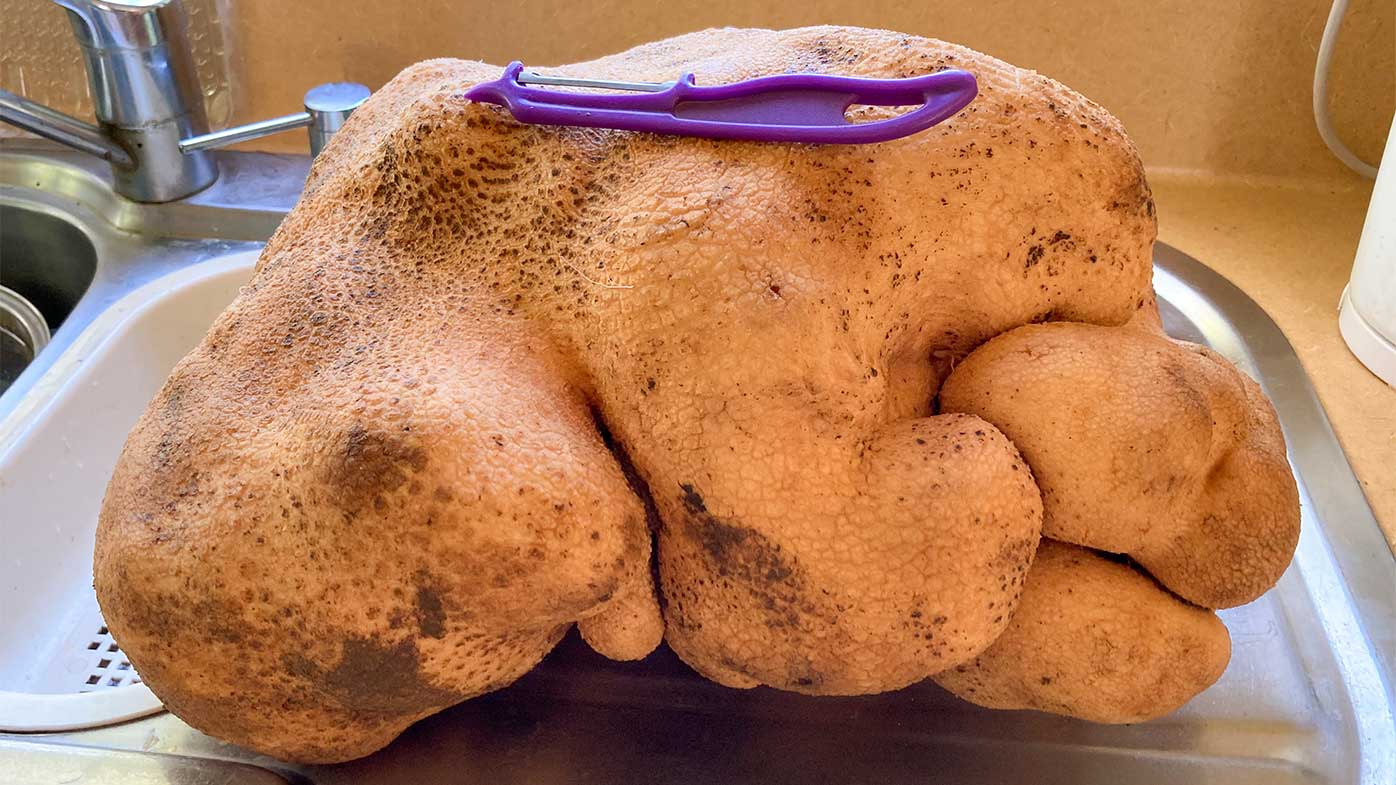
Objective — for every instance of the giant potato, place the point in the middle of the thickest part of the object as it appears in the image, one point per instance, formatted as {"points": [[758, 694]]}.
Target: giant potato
{"points": [[1143, 445], [390, 476]]}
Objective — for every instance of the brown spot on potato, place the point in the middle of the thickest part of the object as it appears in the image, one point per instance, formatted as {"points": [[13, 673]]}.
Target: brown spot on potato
{"points": [[369, 465], [692, 499], [771, 586], [375, 676], [171, 615], [742, 552], [431, 616]]}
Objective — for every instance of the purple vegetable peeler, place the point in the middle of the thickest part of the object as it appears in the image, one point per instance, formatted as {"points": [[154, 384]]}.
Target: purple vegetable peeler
{"points": [[780, 108]]}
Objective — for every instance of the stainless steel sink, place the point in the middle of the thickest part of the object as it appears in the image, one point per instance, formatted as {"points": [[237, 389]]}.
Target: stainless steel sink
{"points": [[47, 263], [1308, 698], [47, 260]]}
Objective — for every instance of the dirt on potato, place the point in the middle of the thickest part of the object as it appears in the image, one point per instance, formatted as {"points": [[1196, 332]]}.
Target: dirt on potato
{"points": [[475, 359]]}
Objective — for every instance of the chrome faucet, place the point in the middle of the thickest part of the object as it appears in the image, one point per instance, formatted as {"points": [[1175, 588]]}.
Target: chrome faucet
{"points": [[151, 125]]}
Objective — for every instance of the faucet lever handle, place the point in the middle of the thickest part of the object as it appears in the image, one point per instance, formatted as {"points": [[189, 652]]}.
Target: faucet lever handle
{"points": [[327, 106]]}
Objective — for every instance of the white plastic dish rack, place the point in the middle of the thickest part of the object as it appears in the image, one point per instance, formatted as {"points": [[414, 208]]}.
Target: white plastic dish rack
{"points": [[60, 669]]}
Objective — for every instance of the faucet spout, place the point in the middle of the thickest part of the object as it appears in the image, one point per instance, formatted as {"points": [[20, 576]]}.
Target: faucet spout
{"points": [[145, 95]]}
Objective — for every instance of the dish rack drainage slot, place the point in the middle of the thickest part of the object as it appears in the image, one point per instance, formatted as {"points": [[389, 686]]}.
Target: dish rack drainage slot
{"points": [[109, 668]]}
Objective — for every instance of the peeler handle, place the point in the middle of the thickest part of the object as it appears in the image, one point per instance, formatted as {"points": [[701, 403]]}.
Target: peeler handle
{"points": [[780, 108]]}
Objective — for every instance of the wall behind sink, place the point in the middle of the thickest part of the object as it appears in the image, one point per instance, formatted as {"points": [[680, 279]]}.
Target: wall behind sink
{"points": [[39, 58], [1220, 88]]}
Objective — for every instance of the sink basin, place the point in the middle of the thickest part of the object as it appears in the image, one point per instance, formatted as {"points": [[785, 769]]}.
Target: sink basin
{"points": [[46, 264], [1308, 697], [47, 260]]}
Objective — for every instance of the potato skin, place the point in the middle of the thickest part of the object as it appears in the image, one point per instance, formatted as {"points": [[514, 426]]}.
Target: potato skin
{"points": [[768, 370], [383, 459], [918, 573], [309, 577], [1097, 640], [1146, 446]]}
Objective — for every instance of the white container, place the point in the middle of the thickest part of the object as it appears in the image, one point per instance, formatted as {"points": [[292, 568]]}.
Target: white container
{"points": [[1367, 315], [59, 669]]}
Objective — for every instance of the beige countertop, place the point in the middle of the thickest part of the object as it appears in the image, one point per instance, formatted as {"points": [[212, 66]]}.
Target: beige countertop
{"points": [[1290, 247]]}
